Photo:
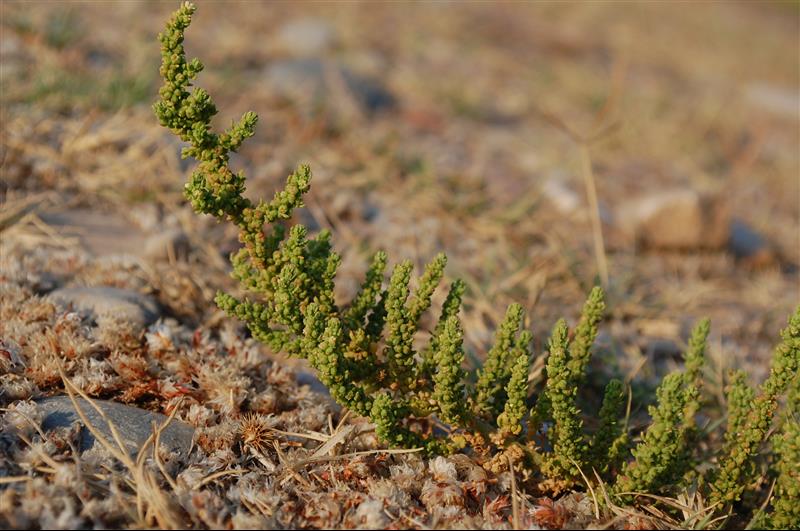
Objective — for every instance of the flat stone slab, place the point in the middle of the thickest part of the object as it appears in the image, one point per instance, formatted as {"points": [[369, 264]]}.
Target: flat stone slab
{"points": [[99, 233], [106, 304], [105, 234], [134, 425]]}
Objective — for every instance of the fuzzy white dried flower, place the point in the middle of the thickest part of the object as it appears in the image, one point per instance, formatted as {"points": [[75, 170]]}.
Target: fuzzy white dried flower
{"points": [[446, 516], [16, 387], [96, 376], [199, 415], [404, 470], [390, 492], [225, 387], [370, 515], [442, 469], [313, 417], [191, 476], [243, 520], [66, 476], [22, 417], [267, 401], [61, 515], [9, 355], [435, 494], [159, 338]]}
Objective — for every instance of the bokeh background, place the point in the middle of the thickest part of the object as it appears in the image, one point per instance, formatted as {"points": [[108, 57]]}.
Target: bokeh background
{"points": [[442, 126]]}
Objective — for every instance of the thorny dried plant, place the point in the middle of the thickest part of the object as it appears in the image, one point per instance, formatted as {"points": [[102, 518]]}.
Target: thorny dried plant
{"points": [[365, 352], [255, 432]]}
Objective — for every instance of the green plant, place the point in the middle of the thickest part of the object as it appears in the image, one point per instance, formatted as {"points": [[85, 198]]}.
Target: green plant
{"points": [[366, 355], [611, 438], [786, 504], [364, 351], [752, 421], [663, 457], [566, 369]]}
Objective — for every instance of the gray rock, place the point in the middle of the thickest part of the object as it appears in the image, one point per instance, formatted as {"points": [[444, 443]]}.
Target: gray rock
{"points": [[748, 246], [368, 91], [169, 242], [324, 80], [311, 380], [662, 348], [133, 424], [307, 36], [107, 305]]}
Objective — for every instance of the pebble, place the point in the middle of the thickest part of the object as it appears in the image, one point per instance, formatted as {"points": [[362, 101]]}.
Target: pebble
{"points": [[324, 80], [749, 247], [306, 36], [108, 305], [561, 196], [133, 424], [676, 219], [311, 380], [169, 242], [662, 348], [779, 101]]}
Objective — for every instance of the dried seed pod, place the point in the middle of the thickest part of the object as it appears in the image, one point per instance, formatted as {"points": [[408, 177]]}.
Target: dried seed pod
{"points": [[255, 432]]}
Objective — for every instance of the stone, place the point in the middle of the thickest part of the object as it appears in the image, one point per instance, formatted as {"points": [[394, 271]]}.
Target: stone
{"points": [[134, 425], [368, 91], [324, 80], [108, 305], [749, 247], [311, 380], [675, 219], [102, 234], [662, 349], [168, 242], [306, 36], [561, 196], [780, 101]]}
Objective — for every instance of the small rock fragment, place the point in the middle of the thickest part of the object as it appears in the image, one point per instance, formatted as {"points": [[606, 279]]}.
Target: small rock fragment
{"points": [[658, 328], [307, 36], [108, 305], [676, 219], [311, 380], [326, 81], [748, 246], [134, 425], [561, 196], [660, 348], [168, 243], [780, 101]]}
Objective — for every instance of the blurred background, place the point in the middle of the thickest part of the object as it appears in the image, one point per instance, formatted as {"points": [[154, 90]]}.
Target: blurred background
{"points": [[485, 130]]}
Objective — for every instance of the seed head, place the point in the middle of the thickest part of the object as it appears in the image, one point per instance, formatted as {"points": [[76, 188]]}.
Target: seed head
{"points": [[255, 432]]}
